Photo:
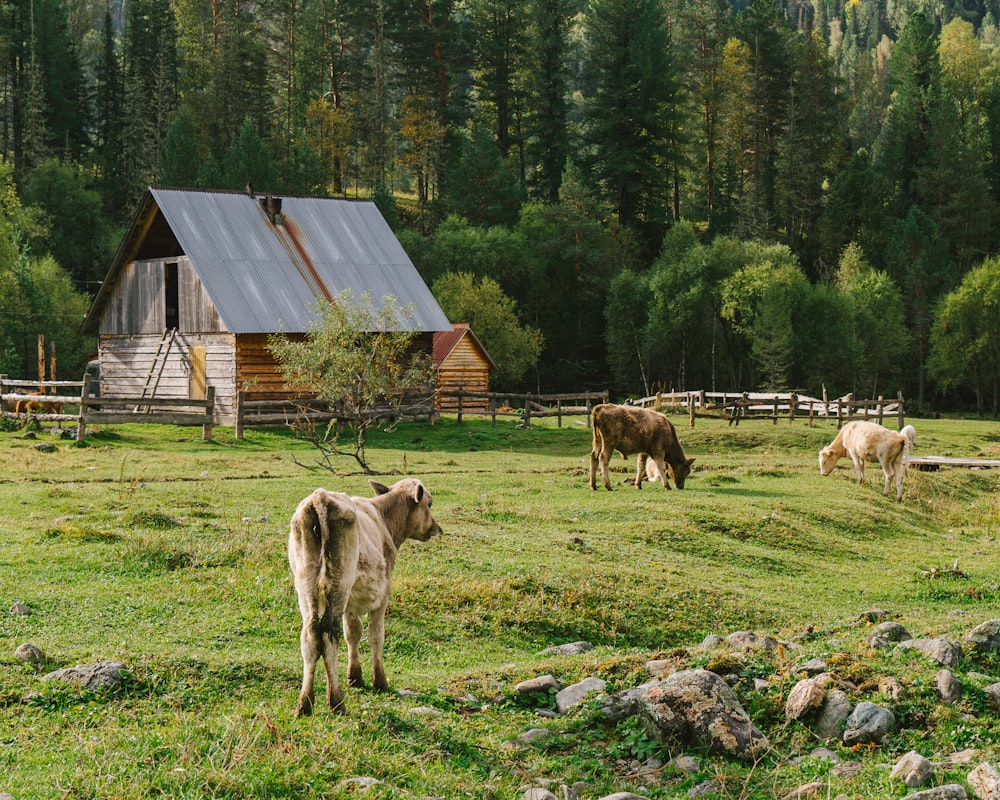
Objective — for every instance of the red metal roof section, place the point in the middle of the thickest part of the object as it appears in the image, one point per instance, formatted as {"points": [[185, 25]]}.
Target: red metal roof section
{"points": [[445, 341]]}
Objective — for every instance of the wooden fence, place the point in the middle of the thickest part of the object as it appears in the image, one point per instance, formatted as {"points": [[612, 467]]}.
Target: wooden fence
{"points": [[252, 413], [40, 405], [736, 407]]}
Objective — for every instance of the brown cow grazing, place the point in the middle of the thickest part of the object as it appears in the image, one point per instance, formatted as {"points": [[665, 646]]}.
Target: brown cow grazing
{"points": [[868, 441], [629, 430], [342, 550]]}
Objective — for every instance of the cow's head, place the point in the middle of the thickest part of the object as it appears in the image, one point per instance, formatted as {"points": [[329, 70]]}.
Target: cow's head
{"points": [[420, 523], [827, 461], [680, 473]]}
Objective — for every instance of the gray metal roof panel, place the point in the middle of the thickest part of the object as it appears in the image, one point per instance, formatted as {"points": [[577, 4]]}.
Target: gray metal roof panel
{"points": [[264, 278]]}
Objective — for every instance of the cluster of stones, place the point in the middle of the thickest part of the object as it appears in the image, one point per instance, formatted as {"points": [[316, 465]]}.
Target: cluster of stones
{"points": [[697, 707]]}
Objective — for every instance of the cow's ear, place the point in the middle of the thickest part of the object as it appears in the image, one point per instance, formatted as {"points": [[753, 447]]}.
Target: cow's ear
{"points": [[689, 462], [378, 488], [418, 493]]}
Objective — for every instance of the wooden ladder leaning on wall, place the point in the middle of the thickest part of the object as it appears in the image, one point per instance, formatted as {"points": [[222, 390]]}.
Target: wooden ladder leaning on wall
{"points": [[166, 342]]}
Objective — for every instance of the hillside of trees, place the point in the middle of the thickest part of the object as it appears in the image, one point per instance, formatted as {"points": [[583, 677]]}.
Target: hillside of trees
{"points": [[663, 193]]}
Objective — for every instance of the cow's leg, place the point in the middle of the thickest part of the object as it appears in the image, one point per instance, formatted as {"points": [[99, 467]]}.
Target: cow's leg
{"points": [[352, 629], [887, 471], [330, 628], [859, 467], [376, 638], [309, 640], [593, 470], [605, 457], [665, 473], [640, 470]]}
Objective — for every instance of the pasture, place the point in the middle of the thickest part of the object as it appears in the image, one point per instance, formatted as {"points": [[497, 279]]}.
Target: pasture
{"points": [[149, 546]]}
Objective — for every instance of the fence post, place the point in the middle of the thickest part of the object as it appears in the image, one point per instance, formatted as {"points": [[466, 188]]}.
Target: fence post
{"points": [[793, 401], [691, 408], [241, 397], [81, 428], [774, 418], [899, 413], [881, 407], [559, 413], [209, 401], [527, 411]]}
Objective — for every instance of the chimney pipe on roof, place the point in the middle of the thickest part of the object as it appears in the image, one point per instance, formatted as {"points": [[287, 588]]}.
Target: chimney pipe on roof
{"points": [[272, 207]]}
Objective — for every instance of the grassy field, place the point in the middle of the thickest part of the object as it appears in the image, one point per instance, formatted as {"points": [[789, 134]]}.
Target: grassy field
{"points": [[151, 547]]}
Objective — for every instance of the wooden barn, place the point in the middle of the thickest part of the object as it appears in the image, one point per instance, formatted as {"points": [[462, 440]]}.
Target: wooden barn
{"points": [[202, 278], [462, 363]]}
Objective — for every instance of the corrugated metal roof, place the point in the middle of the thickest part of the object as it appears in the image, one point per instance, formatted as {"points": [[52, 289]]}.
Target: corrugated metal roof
{"points": [[264, 277]]}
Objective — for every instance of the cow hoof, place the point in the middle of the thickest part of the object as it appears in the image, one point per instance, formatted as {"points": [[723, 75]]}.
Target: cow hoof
{"points": [[304, 708]]}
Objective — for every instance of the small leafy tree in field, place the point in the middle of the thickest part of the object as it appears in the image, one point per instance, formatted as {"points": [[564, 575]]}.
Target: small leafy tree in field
{"points": [[356, 357]]}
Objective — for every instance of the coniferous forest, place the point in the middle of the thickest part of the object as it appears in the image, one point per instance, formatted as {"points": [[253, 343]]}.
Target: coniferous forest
{"points": [[621, 194]]}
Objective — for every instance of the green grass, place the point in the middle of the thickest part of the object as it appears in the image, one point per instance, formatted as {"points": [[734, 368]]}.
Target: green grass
{"points": [[152, 547]]}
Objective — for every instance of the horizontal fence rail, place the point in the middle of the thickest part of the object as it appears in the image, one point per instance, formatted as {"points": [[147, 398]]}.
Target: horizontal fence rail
{"points": [[429, 405], [18, 401], [741, 406]]}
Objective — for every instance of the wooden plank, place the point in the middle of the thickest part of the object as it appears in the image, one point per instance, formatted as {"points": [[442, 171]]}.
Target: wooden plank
{"points": [[949, 461]]}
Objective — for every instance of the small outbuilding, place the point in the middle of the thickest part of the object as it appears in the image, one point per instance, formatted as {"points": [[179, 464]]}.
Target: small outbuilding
{"points": [[462, 363], [203, 278]]}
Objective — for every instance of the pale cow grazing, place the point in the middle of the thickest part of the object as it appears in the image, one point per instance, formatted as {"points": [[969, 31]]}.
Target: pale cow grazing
{"points": [[868, 441], [342, 550], [630, 430]]}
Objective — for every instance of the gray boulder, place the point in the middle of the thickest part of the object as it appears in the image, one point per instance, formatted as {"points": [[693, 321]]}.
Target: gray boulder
{"points": [[102, 675], [984, 638], [868, 723], [697, 705]]}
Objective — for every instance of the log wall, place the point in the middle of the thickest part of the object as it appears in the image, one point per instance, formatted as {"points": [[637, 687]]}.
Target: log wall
{"points": [[464, 368]]}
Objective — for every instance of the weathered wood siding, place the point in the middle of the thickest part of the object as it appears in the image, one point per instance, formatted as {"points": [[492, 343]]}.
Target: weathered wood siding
{"points": [[464, 368], [257, 370], [138, 301], [127, 366]]}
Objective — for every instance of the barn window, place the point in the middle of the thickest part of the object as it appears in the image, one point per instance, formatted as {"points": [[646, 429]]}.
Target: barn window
{"points": [[172, 315]]}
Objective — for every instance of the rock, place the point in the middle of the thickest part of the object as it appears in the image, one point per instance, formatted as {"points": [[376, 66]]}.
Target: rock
{"points": [[747, 640], [984, 638], [814, 666], [832, 715], [891, 687], [868, 723], [538, 793], [993, 690], [710, 641], [20, 610], [879, 642], [543, 683], [951, 791], [44, 447], [571, 649], [685, 764], [622, 796], [426, 711], [705, 787], [620, 705], [874, 615], [658, 666], [890, 631], [698, 705], [985, 782], [912, 769], [29, 653], [946, 653], [808, 790], [948, 687], [804, 697], [848, 770], [526, 738], [572, 696], [102, 675], [760, 685]]}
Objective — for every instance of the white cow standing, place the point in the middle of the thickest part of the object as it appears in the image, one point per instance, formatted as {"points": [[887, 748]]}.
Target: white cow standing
{"points": [[869, 441], [341, 551]]}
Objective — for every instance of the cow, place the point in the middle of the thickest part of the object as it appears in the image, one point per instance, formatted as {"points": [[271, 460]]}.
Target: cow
{"points": [[629, 430], [341, 551], [868, 441]]}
